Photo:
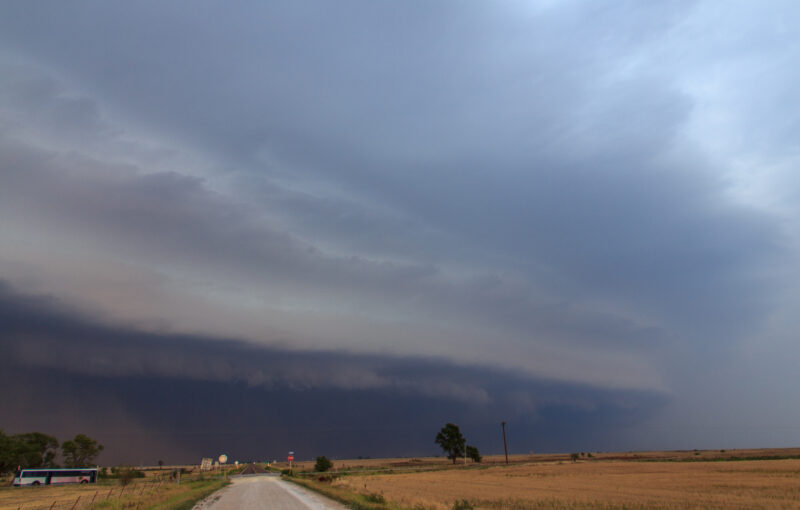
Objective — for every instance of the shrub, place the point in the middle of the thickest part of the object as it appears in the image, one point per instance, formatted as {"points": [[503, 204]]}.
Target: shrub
{"points": [[126, 475], [323, 464], [462, 504], [125, 478], [375, 498], [574, 456]]}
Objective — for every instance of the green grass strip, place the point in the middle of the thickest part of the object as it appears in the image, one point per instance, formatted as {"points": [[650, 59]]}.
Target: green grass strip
{"points": [[187, 500]]}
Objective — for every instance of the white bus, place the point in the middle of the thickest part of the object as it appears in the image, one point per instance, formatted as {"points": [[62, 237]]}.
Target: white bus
{"points": [[43, 476]]}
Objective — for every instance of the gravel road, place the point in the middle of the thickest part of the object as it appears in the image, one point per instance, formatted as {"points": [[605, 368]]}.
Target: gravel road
{"points": [[266, 491]]}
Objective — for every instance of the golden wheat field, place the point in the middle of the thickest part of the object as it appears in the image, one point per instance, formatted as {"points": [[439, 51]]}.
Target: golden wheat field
{"points": [[593, 483]]}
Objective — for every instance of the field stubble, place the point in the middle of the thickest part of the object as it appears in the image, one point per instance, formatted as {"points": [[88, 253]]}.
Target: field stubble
{"points": [[605, 484]]}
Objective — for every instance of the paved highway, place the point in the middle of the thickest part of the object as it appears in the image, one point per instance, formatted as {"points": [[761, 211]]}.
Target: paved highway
{"points": [[266, 492]]}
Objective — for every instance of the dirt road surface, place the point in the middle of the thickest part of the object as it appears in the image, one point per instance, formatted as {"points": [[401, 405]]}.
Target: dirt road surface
{"points": [[266, 492]]}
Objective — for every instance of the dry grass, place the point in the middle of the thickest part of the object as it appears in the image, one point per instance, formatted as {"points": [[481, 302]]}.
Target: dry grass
{"points": [[142, 495], [665, 480]]}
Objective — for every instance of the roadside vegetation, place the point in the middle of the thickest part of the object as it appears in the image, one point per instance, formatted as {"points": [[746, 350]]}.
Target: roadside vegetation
{"points": [[352, 499], [151, 492], [173, 497]]}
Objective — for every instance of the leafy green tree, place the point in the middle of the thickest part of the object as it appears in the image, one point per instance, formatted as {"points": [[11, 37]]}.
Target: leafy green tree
{"points": [[8, 458], [36, 450], [451, 441], [29, 450], [474, 454], [323, 464], [80, 451]]}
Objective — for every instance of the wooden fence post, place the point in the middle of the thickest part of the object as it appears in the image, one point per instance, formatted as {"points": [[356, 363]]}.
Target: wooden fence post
{"points": [[51, 506], [76, 503]]}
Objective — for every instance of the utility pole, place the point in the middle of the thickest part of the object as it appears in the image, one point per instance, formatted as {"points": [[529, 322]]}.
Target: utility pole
{"points": [[505, 446]]}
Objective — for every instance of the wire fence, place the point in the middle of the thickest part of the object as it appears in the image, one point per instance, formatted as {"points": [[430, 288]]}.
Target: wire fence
{"points": [[132, 493]]}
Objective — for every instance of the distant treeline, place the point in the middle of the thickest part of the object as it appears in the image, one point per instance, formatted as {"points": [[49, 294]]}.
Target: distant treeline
{"points": [[38, 450]]}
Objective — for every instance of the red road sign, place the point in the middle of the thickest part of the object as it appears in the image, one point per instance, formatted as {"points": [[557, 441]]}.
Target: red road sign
{"points": [[291, 457]]}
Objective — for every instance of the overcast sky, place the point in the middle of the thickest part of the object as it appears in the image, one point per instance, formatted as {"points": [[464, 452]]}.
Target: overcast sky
{"points": [[600, 196]]}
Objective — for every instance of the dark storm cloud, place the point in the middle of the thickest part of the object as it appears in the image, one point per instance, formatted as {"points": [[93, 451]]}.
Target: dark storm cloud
{"points": [[147, 395]]}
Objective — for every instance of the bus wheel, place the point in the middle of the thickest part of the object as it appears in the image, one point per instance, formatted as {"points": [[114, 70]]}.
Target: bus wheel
{"points": [[36, 483], [84, 481]]}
